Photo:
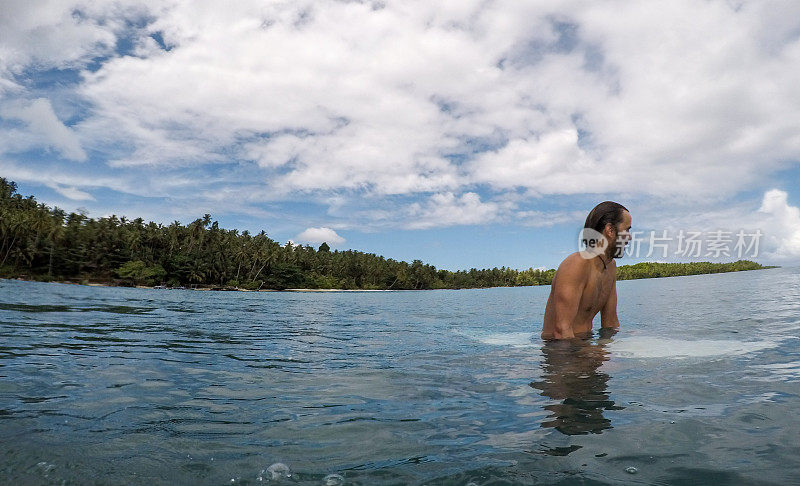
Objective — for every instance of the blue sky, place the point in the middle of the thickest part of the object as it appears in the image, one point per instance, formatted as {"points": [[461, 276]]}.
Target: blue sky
{"points": [[463, 133]]}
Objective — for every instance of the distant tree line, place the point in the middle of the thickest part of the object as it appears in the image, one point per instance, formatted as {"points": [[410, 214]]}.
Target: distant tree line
{"points": [[655, 270], [42, 243]]}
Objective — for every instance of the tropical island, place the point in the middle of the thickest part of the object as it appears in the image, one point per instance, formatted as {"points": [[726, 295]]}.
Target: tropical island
{"points": [[41, 243]]}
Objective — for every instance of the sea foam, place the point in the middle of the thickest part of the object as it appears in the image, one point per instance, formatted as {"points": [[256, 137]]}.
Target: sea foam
{"points": [[657, 347]]}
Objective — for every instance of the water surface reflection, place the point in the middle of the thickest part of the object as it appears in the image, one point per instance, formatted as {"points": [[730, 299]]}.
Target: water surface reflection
{"points": [[573, 378]]}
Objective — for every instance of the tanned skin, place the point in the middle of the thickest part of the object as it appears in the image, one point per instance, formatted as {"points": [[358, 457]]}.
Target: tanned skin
{"points": [[583, 287]]}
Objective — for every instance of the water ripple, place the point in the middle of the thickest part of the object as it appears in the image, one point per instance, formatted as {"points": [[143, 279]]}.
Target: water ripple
{"points": [[441, 387]]}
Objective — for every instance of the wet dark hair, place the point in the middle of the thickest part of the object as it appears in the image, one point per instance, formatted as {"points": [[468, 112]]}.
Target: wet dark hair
{"points": [[602, 214]]}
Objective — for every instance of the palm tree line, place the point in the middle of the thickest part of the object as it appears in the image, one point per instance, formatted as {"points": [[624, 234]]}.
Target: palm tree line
{"points": [[42, 243]]}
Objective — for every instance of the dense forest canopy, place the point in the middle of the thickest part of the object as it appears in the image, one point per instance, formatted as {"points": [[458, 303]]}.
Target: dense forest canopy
{"points": [[43, 243]]}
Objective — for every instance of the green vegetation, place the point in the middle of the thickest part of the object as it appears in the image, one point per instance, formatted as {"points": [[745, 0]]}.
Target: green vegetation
{"points": [[654, 270], [140, 272], [42, 243]]}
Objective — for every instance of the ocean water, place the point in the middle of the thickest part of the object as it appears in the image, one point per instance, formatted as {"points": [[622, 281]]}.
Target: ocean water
{"points": [[133, 386]]}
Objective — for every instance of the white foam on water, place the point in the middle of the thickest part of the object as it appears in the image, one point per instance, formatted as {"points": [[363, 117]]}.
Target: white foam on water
{"points": [[514, 339], [655, 347], [632, 346]]}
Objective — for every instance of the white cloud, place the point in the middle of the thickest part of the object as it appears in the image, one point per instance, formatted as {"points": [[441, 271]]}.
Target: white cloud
{"points": [[45, 127], [550, 164], [777, 221], [8, 86], [326, 99], [54, 177], [546, 219], [447, 209], [51, 34], [380, 106], [62, 34], [320, 235], [73, 193], [781, 226]]}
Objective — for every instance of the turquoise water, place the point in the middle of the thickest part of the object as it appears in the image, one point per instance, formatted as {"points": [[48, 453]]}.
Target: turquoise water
{"points": [[136, 386]]}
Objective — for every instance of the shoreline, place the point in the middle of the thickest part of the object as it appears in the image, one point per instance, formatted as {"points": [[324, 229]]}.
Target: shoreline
{"points": [[237, 289], [211, 289]]}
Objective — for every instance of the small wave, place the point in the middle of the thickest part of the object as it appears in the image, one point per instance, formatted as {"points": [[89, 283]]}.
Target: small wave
{"points": [[781, 371]]}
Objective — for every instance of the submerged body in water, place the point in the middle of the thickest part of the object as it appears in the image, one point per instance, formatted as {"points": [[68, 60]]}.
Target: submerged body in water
{"points": [[572, 376]]}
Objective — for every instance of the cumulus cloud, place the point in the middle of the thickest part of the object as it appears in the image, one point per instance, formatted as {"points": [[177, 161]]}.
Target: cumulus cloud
{"points": [[781, 223], [63, 34], [320, 235], [45, 128], [441, 101], [50, 33], [561, 106], [552, 163]]}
